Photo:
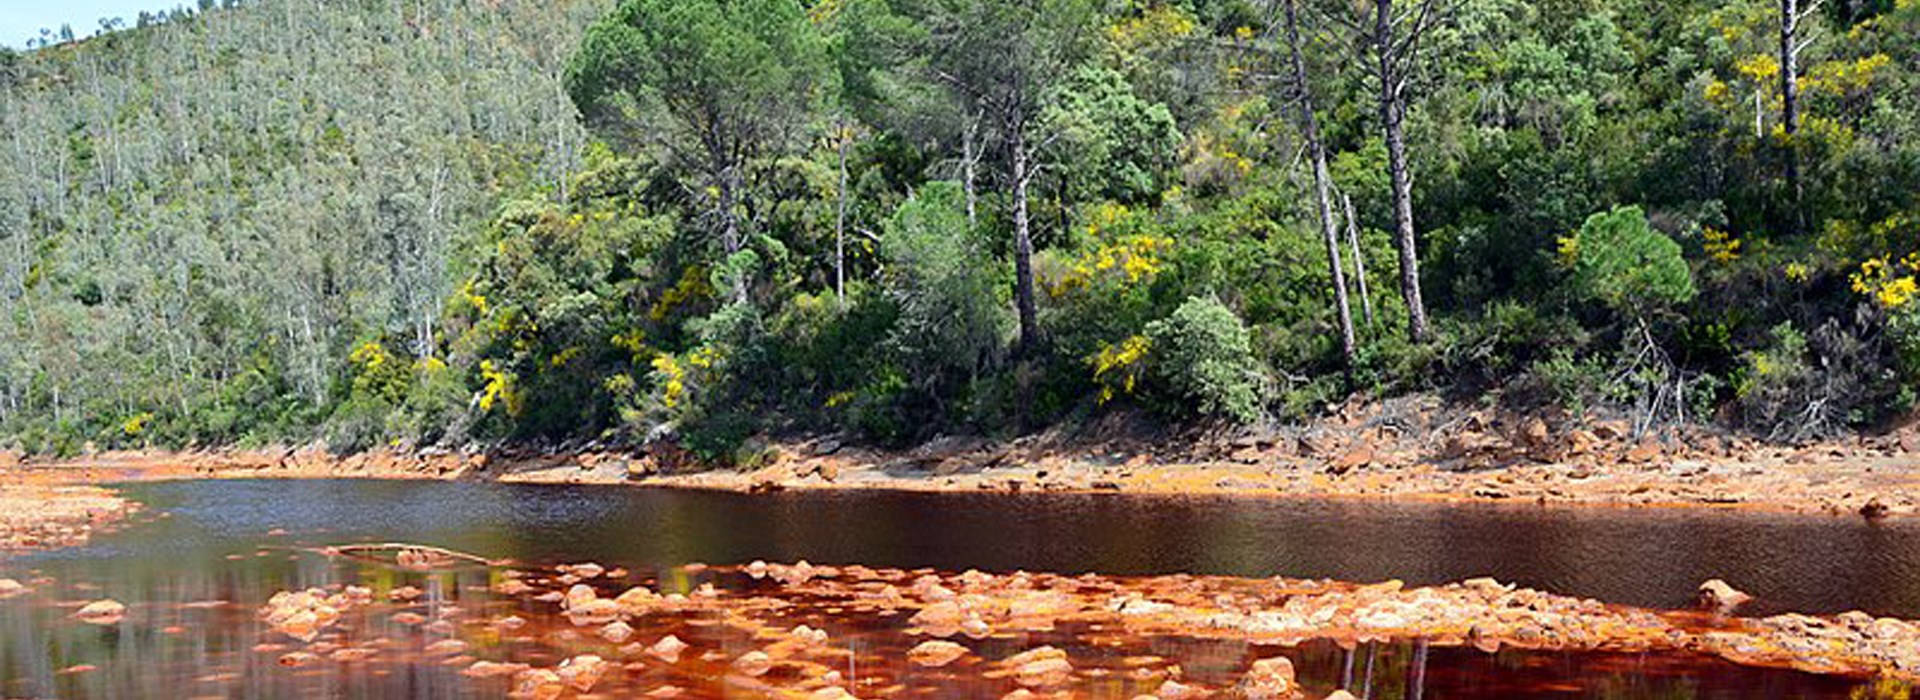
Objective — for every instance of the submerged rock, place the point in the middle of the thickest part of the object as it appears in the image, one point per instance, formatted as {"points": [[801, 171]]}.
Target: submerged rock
{"points": [[101, 612]]}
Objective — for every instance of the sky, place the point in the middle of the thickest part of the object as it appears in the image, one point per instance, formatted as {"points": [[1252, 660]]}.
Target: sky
{"points": [[21, 20]]}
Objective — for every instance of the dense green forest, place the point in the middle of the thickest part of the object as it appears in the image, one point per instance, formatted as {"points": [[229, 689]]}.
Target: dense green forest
{"points": [[418, 222]]}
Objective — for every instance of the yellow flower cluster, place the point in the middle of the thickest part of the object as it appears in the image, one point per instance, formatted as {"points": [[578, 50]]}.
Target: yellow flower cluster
{"points": [[674, 373], [499, 389], [137, 424], [1117, 367], [1121, 256], [1154, 26], [673, 380], [1891, 285], [1720, 245]]}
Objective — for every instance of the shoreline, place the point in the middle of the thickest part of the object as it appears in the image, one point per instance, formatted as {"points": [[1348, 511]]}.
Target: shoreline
{"points": [[1825, 480]]}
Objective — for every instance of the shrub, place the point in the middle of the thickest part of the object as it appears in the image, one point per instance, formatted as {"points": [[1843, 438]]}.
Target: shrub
{"points": [[953, 322], [1204, 354], [1618, 259]]}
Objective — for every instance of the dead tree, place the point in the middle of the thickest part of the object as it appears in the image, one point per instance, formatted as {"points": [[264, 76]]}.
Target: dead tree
{"points": [[1390, 42], [1310, 128], [1793, 41]]}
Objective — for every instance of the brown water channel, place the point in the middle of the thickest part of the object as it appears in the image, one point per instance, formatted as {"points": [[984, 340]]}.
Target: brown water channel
{"points": [[207, 555]]}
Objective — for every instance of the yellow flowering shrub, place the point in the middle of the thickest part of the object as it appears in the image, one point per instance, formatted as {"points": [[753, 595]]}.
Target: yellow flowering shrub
{"points": [[1122, 256], [1118, 366], [499, 389], [1721, 246], [1891, 285]]}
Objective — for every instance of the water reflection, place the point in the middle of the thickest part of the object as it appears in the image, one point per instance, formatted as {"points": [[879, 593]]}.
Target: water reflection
{"points": [[195, 579]]}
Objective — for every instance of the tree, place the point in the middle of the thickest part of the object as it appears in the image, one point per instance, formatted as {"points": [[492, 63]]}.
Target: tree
{"points": [[1323, 197], [1618, 259], [999, 57], [1793, 40], [1390, 40], [711, 84]]}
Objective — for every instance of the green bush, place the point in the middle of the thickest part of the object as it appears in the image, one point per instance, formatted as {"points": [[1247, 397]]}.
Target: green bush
{"points": [[1205, 356], [1618, 259], [953, 320]]}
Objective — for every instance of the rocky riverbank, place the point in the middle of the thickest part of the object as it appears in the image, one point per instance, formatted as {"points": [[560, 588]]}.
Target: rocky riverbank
{"points": [[40, 511], [1412, 449]]}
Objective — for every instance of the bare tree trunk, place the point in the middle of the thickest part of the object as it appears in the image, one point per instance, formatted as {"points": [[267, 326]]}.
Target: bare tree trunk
{"points": [[1359, 260], [1393, 112], [1022, 237], [1310, 127], [840, 225], [970, 157], [1790, 46]]}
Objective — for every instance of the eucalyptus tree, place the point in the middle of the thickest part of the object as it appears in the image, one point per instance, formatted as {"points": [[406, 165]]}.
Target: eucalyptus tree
{"points": [[710, 85]]}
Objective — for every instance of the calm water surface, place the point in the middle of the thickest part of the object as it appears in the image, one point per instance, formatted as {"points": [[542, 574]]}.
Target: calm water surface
{"points": [[238, 541]]}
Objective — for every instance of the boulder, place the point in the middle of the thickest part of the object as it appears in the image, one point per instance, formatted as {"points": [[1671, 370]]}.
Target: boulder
{"points": [[1718, 597], [101, 612], [668, 649], [1270, 679], [753, 664], [582, 672], [936, 653]]}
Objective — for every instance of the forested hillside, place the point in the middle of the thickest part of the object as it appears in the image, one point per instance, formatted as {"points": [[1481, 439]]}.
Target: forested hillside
{"points": [[697, 221]]}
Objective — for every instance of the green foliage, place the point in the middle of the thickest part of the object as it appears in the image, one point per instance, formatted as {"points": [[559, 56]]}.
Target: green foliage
{"points": [[1203, 353], [953, 317], [1619, 260], [623, 220]]}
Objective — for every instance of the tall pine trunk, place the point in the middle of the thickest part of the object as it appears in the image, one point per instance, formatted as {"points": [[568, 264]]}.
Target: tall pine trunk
{"points": [[1790, 106], [1310, 127], [1393, 112]]}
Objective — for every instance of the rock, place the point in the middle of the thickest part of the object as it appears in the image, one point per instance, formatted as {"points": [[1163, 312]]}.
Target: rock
{"points": [[753, 664], [1352, 460], [446, 647], [492, 669], [297, 659], [936, 653], [580, 594], [1341, 695], [1270, 679], [1175, 690], [1580, 442], [668, 649], [1874, 509], [10, 588], [101, 612], [598, 611], [832, 692], [618, 632], [1644, 453], [1535, 434], [1041, 667], [537, 684], [1718, 597], [582, 672]]}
